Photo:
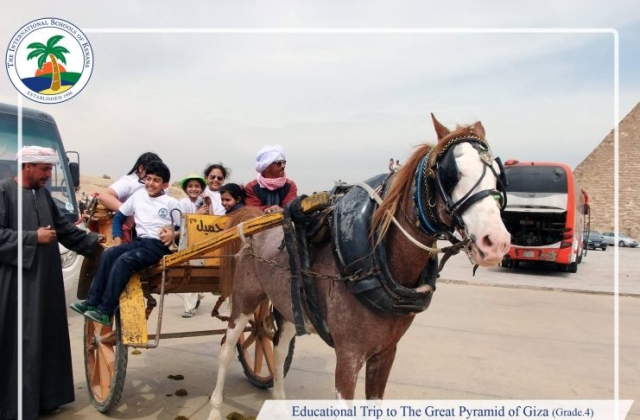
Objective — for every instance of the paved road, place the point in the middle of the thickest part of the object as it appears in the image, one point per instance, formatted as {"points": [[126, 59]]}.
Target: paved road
{"points": [[528, 340], [595, 274]]}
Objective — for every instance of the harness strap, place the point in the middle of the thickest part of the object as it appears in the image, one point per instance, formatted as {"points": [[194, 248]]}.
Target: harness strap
{"points": [[304, 296], [376, 197], [295, 269]]}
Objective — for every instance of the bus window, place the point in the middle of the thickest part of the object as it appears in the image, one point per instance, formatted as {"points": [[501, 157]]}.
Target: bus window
{"points": [[536, 179]]}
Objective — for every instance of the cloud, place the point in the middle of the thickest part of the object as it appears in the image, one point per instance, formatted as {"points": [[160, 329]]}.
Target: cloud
{"points": [[343, 103]]}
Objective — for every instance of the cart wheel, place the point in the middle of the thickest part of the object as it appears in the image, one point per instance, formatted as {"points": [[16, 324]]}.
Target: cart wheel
{"points": [[255, 348], [105, 363]]}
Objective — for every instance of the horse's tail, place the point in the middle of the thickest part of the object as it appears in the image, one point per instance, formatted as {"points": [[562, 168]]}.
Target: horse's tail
{"points": [[231, 248]]}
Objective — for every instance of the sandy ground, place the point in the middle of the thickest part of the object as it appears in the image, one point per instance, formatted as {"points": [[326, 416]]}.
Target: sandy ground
{"points": [[90, 184]]}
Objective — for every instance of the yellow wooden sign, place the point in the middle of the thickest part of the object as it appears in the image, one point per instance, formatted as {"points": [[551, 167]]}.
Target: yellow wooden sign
{"points": [[197, 228]]}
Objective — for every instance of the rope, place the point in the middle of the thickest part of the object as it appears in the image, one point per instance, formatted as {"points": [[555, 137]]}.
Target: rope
{"points": [[375, 196], [243, 238]]}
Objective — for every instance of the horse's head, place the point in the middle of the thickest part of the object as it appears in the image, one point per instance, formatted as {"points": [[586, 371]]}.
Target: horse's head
{"points": [[454, 185], [470, 190]]}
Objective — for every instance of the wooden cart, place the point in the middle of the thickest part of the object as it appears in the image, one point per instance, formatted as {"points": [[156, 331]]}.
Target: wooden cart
{"points": [[195, 267]]}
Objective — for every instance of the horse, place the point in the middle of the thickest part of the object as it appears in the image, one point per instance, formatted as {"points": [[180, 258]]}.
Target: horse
{"points": [[454, 186]]}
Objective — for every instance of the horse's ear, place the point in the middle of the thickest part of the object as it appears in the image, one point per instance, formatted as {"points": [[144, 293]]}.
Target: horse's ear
{"points": [[441, 130], [478, 127]]}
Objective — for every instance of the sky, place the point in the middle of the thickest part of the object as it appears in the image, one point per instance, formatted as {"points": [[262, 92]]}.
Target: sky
{"points": [[342, 86]]}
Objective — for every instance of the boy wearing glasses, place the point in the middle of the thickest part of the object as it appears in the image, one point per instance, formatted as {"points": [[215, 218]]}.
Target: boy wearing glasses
{"points": [[271, 190]]}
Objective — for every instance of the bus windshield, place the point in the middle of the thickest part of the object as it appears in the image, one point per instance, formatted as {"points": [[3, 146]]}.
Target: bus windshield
{"points": [[536, 179], [44, 134]]}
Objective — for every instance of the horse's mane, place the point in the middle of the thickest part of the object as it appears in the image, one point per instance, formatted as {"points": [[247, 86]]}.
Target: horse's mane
{"points": [[398, 192], [231, 248], [401, 187]]}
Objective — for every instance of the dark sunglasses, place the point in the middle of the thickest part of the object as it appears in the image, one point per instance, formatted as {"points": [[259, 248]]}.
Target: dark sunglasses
{"points": [[218, 177], [280, 162]]}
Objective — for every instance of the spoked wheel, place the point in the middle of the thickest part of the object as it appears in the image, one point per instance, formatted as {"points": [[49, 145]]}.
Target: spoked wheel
{"points": [[105, 363], [255, 348]]}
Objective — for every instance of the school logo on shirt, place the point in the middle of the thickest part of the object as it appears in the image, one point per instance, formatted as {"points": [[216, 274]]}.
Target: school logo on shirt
{"points": [[163, 213], [49, 60]]}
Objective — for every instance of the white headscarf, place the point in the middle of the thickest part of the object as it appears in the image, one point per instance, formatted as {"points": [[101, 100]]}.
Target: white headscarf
{"points": [[267, 155], [37, 154]]}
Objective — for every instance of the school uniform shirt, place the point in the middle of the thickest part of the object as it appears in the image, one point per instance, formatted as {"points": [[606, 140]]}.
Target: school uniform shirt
{"points": [[187, 206], [151, 213], [216, 202], [126, 186]]}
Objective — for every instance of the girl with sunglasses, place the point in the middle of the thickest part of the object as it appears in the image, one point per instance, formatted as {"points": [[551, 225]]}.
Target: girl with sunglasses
{"points": [[215, 175]]}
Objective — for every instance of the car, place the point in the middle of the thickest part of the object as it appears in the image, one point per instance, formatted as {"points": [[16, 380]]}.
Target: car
{"points": [[595, 240], [620, 239]]}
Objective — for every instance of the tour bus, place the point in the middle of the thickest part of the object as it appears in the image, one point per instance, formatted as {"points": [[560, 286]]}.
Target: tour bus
{"points": [[40, 129], [547, 215]]}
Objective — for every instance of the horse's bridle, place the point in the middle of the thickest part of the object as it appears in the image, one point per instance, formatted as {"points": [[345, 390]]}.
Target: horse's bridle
{"points": [[438, 173]]}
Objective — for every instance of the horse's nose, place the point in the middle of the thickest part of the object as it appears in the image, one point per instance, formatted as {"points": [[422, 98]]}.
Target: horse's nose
{"points": [[494, 246], [499, 243]]}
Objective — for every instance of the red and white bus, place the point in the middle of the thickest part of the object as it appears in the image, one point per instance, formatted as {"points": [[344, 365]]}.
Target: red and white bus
{"points": [[547, 214]]}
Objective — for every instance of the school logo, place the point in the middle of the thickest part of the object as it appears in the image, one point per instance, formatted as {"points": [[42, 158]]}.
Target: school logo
{"points": [[49, 60], [163, 213]]}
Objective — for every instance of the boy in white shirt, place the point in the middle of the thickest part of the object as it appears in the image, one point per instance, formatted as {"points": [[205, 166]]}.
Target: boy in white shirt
{"points": [[152, 210]]}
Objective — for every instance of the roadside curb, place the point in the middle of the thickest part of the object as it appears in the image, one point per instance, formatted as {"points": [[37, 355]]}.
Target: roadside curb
{"points": [[530, 287]]}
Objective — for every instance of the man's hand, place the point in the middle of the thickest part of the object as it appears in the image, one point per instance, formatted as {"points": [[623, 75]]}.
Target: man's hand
{"points": [[46, 235], [117, 241], [273, 209]]}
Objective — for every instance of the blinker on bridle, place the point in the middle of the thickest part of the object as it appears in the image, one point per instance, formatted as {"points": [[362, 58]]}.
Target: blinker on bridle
{"points": [[444, 173]]}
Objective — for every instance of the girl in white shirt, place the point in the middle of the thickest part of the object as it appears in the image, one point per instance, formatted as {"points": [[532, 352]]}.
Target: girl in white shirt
{"points": [[215, 175], [123, 188], [193, 184]]}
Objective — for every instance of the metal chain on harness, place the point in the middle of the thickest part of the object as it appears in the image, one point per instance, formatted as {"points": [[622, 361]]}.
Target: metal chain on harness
{"points": [[355, 277]]}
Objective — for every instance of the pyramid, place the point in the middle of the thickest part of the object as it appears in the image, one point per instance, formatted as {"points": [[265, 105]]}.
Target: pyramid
{"points": [[596, 176]]}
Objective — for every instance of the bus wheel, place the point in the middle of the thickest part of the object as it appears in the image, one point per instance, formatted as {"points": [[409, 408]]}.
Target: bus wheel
{"points": [[573, 267], [505, 262]]}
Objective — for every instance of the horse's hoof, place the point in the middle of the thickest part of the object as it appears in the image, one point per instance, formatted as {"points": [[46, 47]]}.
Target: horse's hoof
{"points": [[214, 415]]}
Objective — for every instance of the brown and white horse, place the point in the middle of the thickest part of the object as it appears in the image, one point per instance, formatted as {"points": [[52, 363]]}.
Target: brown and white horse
{"points": [[467, 199]]}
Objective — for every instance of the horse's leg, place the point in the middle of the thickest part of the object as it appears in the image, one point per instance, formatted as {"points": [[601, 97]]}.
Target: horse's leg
{"points": [[347, 367], [227, 351], [378, 369], [281, 350]]}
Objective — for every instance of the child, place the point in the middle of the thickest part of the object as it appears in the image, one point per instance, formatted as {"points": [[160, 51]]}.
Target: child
{"points": [[215, 174], [152, 210], [193, 184], [232, 197]]}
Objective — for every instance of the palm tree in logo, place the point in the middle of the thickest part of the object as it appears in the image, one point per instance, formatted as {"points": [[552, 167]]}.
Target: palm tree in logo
{"points": [[54, 53]]}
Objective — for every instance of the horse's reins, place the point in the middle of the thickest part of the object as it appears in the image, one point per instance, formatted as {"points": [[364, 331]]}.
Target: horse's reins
{"points": [[424, 174]]}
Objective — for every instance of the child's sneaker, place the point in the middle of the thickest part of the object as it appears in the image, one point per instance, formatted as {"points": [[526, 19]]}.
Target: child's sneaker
{"points": [[81, 307], [98, 316]]}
